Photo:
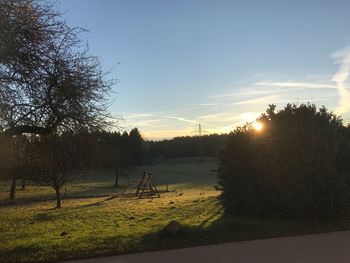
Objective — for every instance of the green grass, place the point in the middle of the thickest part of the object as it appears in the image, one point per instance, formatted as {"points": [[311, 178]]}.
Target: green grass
{"points": [[177, 173], [122, 223]]}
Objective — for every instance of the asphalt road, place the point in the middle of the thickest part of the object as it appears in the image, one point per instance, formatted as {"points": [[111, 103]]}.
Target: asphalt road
{"points": [[318, 248]]}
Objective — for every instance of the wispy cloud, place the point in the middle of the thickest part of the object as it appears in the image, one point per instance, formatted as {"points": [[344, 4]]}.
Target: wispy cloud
{"points": [[305, 85], [149, 119], [262, 100], [273, 88], [205, 104], [341, 78], [242, 92], [215, 116], [300, 100], [248, 116], [137, 115], [145, 123]]}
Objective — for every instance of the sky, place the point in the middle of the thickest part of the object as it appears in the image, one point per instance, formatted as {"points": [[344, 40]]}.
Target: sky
{"points": [[216, 63]]}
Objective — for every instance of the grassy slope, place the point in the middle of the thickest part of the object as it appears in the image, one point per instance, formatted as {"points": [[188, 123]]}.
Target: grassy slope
{"points": [[116, 224]]}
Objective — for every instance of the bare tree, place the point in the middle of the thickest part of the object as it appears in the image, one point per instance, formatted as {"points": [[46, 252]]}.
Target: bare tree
{"points": [[55, 156], [48, 80]]}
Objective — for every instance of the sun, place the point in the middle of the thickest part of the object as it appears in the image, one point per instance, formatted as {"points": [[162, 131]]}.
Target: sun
{"points": [[257, 126]]}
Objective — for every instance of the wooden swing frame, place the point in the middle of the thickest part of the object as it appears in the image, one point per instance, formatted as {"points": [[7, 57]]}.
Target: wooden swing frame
{"points": [[146, 186]]}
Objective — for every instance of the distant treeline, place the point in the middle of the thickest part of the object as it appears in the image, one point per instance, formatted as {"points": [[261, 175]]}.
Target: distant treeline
{"points": [[134, 150], [179, 147], [49, 160]]}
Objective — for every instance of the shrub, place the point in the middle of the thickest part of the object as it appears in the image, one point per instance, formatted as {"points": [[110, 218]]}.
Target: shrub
{"points": [[296, 166]]}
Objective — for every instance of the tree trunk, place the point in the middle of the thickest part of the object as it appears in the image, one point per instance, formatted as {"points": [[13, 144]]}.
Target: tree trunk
{"points": [[58, 198], [13, 188], [116, 178], [23, 183]]}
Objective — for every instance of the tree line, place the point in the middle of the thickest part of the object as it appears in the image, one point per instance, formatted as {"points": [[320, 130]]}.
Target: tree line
{"points": [[51, 160], [187, 146]]}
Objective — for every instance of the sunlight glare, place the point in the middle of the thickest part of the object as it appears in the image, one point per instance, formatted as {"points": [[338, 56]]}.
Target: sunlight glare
{"points": [[258, 126]]}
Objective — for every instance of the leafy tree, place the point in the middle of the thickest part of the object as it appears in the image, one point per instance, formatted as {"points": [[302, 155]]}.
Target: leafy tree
{"points": [[295, 166]]}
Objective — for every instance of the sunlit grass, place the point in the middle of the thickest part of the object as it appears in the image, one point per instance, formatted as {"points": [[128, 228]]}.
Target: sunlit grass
{"points": [[122, 223], [97, 225]]}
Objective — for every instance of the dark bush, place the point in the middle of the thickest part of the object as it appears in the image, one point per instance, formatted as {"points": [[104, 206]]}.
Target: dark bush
{"points": [[297, 165]]}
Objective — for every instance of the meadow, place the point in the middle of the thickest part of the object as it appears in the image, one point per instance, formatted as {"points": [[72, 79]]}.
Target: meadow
{"points": [[96, 219]]}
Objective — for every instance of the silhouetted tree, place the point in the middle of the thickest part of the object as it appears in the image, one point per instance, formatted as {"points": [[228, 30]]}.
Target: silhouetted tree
{"points": [[180, 147], [136, 147], [55, 156], [48, 83], [295, 166], [15, 159], [114, 155], [122, 151]]}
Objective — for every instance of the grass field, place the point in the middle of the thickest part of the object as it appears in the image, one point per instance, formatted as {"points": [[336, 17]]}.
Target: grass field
{"points": [[97, 220]]}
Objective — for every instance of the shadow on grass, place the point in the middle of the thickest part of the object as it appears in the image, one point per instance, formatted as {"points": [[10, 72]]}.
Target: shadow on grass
{"points": [[93, 192], [19, 254], [187, 236], [226, 228], [229, 228]]}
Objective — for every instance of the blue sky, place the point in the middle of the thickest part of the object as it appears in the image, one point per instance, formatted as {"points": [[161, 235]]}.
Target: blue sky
{"points": [[218, 63]]}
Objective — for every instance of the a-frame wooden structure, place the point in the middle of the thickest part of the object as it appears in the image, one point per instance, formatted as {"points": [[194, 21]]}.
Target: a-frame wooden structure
{"points": [[146, 186]]}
